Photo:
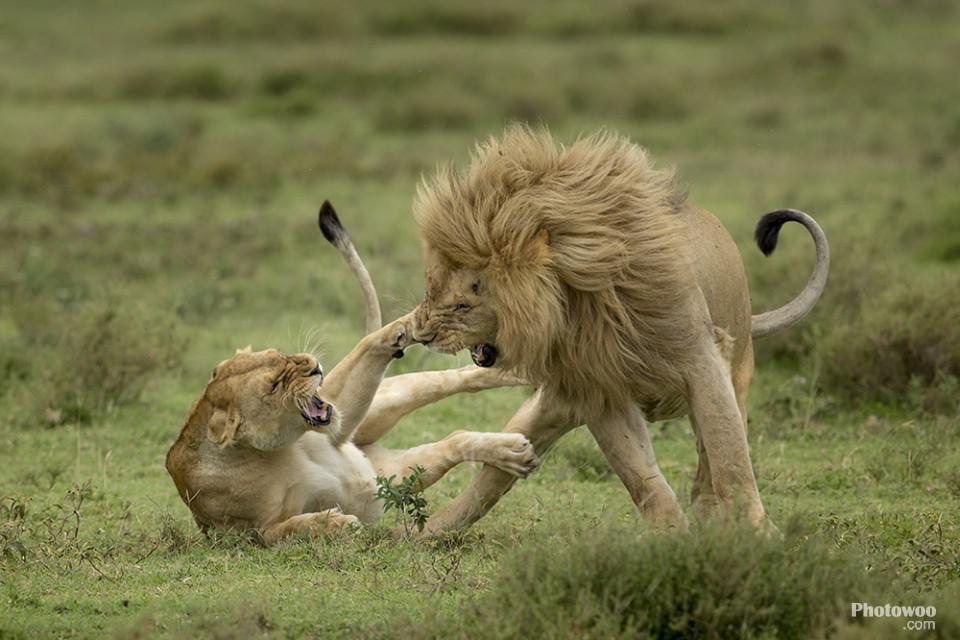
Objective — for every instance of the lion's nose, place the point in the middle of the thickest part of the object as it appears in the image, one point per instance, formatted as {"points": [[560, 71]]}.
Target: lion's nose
{"points": [[419, 331]]}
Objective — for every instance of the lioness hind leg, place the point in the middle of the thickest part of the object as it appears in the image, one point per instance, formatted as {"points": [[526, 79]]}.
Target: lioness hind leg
{"points": [[509, 452], [329, 521], [400, 395], [625, 442], [543, 426]]}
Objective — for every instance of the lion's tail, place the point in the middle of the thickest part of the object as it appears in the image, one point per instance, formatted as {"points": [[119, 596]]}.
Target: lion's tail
{"points": [[768, 228], [334, 232]]}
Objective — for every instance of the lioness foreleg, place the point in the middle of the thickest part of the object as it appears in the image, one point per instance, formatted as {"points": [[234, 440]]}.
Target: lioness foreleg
{"points": [[625, 442], [353, 383], [329, 521]]}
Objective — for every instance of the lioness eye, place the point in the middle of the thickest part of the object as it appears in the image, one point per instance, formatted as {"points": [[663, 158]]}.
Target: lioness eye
{"points": [[462, 307], [273, 387]]}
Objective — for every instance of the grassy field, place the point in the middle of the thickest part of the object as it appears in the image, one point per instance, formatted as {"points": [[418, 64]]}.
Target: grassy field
{"points": [[161, 168]]}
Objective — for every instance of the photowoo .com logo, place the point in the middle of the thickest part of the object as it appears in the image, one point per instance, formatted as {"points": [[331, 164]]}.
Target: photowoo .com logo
{"points": [[921, 618]]}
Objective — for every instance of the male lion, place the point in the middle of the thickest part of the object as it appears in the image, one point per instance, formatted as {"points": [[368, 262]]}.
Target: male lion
{"points": [[582, 269], [273, 447]]}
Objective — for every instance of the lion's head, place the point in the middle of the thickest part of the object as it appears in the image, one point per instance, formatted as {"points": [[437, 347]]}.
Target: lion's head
{"points": [[264, 400], [564, 263]]}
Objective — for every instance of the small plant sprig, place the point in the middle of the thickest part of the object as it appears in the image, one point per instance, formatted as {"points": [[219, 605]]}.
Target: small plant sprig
{"points": [[405, 497]]}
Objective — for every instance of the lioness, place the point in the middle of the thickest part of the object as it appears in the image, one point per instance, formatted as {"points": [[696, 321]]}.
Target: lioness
{"points": [[272, 446], [583, 269]]}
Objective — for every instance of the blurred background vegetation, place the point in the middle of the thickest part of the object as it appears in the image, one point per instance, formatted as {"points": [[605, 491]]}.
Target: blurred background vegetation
{"points": [[162, 163]]}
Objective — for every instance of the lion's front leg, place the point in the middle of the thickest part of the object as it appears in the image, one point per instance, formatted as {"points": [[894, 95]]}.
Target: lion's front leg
{"points": [[625, 441], [329, 521], [353, 383]]}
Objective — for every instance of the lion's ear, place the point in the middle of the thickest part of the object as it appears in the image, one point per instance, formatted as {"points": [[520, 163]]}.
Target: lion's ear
{"points": [[246, 349], [223, 425], [539, 250]]}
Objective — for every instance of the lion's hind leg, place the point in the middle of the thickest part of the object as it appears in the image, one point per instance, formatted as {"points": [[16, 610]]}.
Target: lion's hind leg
{"points": [[717, 419], [329, 521], [703, 497]]}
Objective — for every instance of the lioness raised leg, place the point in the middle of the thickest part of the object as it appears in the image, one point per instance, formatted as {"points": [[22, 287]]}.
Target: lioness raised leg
{"points": [[509, 452], [543, 425], [402, 394]]}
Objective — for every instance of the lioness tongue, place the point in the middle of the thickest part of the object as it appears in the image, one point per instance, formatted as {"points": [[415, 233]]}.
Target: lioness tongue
{"points": [[318, 409]]}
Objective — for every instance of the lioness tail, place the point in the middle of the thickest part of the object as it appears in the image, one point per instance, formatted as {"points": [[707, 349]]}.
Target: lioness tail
{"points": [[333, 231]]}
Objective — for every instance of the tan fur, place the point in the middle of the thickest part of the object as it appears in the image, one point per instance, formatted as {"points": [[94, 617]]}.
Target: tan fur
{"points": [[594, 279], [581, 243], [246, 459]]}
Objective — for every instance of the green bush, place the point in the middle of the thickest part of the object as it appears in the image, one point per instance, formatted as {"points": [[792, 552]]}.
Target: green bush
{"points": [[724, 581], [94, 357], [204, 82], [902, 344]]}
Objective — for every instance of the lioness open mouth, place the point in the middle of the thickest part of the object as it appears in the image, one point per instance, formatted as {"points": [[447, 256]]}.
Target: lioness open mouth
{"points": [[317, 413], [484, 355]]}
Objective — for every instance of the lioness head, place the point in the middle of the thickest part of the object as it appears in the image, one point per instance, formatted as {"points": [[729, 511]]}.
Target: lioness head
{"points": [[266, 399]]}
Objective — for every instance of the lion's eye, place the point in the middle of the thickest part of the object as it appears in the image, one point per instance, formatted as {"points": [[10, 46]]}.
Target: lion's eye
{"points": [[275, 385], [462, 307]]}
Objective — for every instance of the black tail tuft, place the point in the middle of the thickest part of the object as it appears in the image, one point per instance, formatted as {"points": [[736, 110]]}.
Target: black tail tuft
{"points": [[330, 225], [768, 229]]}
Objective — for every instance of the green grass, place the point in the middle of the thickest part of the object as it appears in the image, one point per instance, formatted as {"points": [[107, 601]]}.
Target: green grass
{"points": [[161, 169]]}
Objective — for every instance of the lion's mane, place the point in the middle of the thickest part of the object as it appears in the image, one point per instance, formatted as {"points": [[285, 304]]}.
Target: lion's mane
{"points": [[586, 254]]}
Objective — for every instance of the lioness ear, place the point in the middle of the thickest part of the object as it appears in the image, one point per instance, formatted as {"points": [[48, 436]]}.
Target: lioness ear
{"points": [[222, 426], [246, 349]]}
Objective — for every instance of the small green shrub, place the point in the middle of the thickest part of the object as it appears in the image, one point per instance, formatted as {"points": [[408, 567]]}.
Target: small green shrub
{"points": [[405, 498]]}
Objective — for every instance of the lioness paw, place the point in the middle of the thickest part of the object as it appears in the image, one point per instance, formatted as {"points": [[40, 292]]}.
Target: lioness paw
{"points": [[335, 520], [510, 452], [398, 335]]}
